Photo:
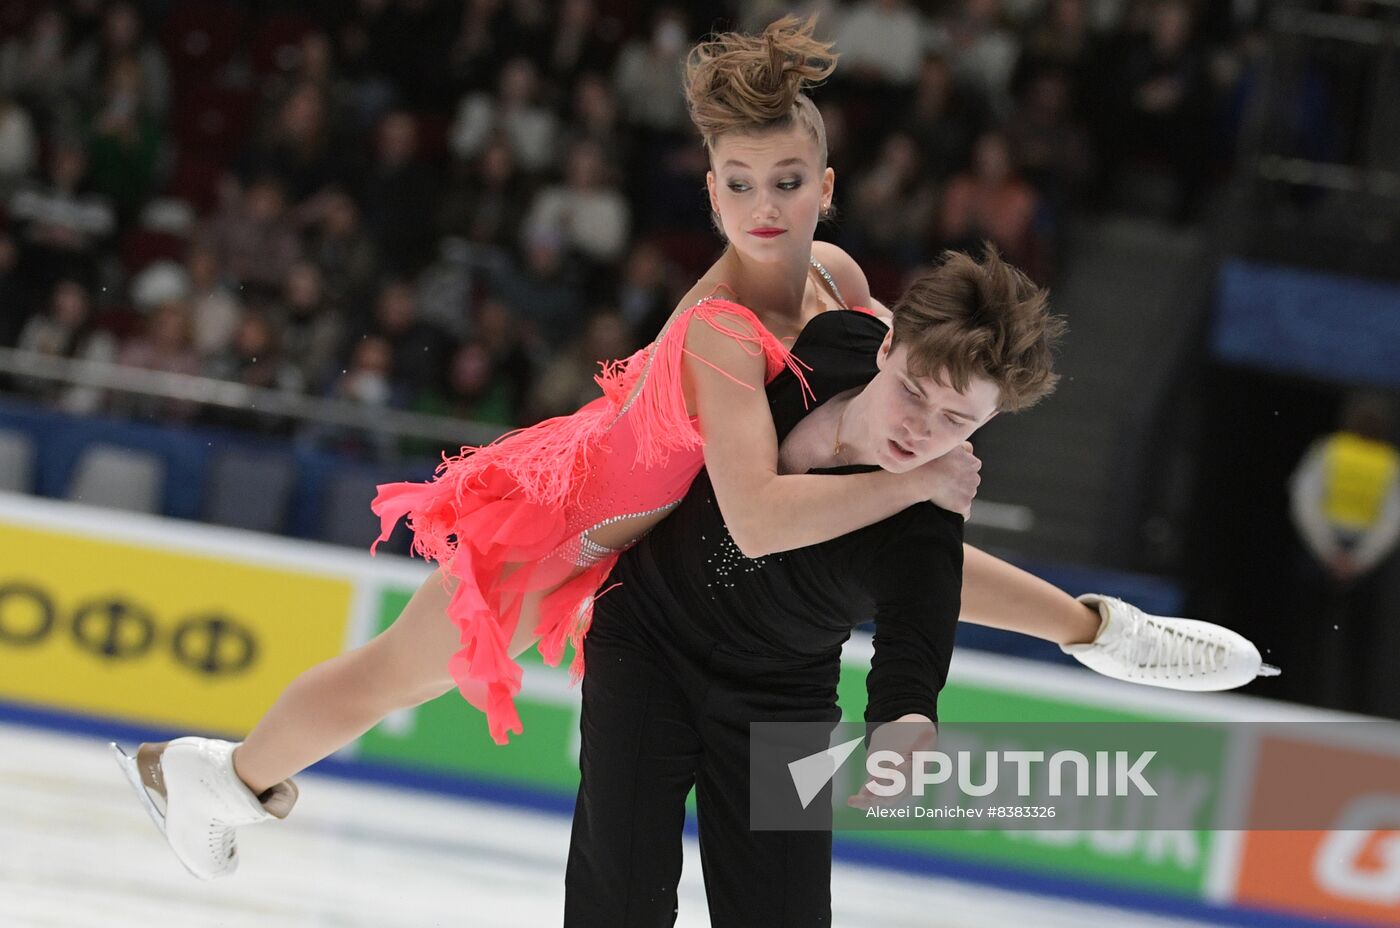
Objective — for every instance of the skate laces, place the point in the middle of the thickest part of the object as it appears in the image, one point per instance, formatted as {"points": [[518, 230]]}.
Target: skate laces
{"points": [[1158, 647], [221, 837]]}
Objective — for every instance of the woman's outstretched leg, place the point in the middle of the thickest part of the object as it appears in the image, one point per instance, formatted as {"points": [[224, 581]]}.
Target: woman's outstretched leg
{"points": [[199, 790], [335, 702]]}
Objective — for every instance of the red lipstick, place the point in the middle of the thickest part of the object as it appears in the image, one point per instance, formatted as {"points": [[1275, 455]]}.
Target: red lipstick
{"points": [[767, 232]]}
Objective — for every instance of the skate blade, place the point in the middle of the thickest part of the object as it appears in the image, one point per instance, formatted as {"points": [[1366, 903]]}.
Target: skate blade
{"points": [[133, 776]]}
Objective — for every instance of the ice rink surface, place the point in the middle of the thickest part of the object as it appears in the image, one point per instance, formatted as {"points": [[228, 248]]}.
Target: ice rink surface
{"points": [[77, 850]]}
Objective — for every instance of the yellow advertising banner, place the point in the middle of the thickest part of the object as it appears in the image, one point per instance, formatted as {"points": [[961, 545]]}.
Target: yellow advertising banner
{"points": [[150, 634]]}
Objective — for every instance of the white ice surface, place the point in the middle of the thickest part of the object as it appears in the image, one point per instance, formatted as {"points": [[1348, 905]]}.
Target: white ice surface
{"points": [[77, 850]]}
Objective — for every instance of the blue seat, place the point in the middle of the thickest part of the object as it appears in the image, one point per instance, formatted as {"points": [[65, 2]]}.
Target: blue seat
{"points": [[16, 462], [250, 490], [346, 518], [118, 478]]}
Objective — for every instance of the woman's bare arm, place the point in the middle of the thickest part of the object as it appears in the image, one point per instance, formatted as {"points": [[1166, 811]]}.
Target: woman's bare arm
{"points": [[996, 594], [766, 511]]}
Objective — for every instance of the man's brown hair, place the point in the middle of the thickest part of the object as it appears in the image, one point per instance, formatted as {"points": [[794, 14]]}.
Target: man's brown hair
{"points": [[969, 318]]}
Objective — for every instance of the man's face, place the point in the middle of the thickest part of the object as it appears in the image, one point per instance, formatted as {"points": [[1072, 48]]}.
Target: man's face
{"points": [[914, 420]]}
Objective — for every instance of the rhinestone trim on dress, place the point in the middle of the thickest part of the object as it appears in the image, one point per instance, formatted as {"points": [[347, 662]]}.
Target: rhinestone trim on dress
{"points": [[826, 276], [590, 552]]}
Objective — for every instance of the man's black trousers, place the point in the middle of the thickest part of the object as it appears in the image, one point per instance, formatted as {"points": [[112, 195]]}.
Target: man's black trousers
{"points": [[665, 710]]}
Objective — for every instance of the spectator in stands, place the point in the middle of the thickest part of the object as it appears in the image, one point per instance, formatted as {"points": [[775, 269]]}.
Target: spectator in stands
{"points": [[63, 226], [34, 70], [1164, 103], [256, 357], [645, 77], [486, 201], [583, 43], [586, 211], [254, 238], [399, 194], [515, 113], [881, 41], [1345, 503], [1345, 493], [338, 243], [991, 201], [65, 330], [123, 35], [310, 331], [1054, 150], [213, 305], [19, 145], [296, 146], [981, 52], [497, 329], [166, 344], [124, 137], [1062, 41], [545, 290], [367, 379], [595, 119], [471, 388], [567, 382], [492, 31], [893, 204], [943, 119], [157, 283], [644, 294], [419, 348]]}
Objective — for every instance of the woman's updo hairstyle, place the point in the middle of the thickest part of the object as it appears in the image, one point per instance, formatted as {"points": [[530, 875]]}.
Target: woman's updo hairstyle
{"points": [[735, 82]]}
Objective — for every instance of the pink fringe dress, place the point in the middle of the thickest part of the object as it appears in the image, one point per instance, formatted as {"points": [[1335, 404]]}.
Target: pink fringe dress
{"points": [[512, 517]]}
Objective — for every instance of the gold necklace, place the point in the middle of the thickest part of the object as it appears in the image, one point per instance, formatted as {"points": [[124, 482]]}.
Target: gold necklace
{"points": [[840, 450]]}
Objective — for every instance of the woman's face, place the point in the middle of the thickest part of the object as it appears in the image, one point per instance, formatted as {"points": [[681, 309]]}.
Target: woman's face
{"points": [[769, 190]]}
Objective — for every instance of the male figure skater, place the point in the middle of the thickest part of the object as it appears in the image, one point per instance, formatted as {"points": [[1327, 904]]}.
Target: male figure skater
{"points": [[699, 641]]}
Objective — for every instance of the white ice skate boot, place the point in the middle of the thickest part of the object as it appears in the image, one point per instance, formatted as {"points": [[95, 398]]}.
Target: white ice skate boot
{"points": [[1179, 654], [193, 795]]}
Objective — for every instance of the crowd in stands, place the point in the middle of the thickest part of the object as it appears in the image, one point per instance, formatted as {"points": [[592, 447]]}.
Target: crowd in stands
{"points": [[460, 206]]}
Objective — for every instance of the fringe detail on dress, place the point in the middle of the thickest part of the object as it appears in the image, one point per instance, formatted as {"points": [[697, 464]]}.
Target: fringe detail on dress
{"points": [[492, 516]]}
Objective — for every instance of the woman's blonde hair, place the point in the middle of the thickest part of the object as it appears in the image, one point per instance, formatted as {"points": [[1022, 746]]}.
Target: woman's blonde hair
{"points": [[737, 82]]}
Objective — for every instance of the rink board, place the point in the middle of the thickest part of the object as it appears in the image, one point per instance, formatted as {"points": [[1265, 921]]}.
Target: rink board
{"points": [[160, 624]]}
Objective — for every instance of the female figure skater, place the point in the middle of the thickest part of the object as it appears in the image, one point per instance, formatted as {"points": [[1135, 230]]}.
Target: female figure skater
{"points": [[527, 529]]}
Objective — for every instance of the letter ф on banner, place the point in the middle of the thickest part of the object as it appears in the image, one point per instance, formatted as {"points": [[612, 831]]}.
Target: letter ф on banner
{"points": [[26, 615], [114, 628], [214, 644], [119, 630], [155, 635], [1352, 870]]}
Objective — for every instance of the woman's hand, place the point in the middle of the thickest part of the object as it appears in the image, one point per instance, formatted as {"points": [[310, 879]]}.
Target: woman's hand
{"points": [[949, 482]]}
